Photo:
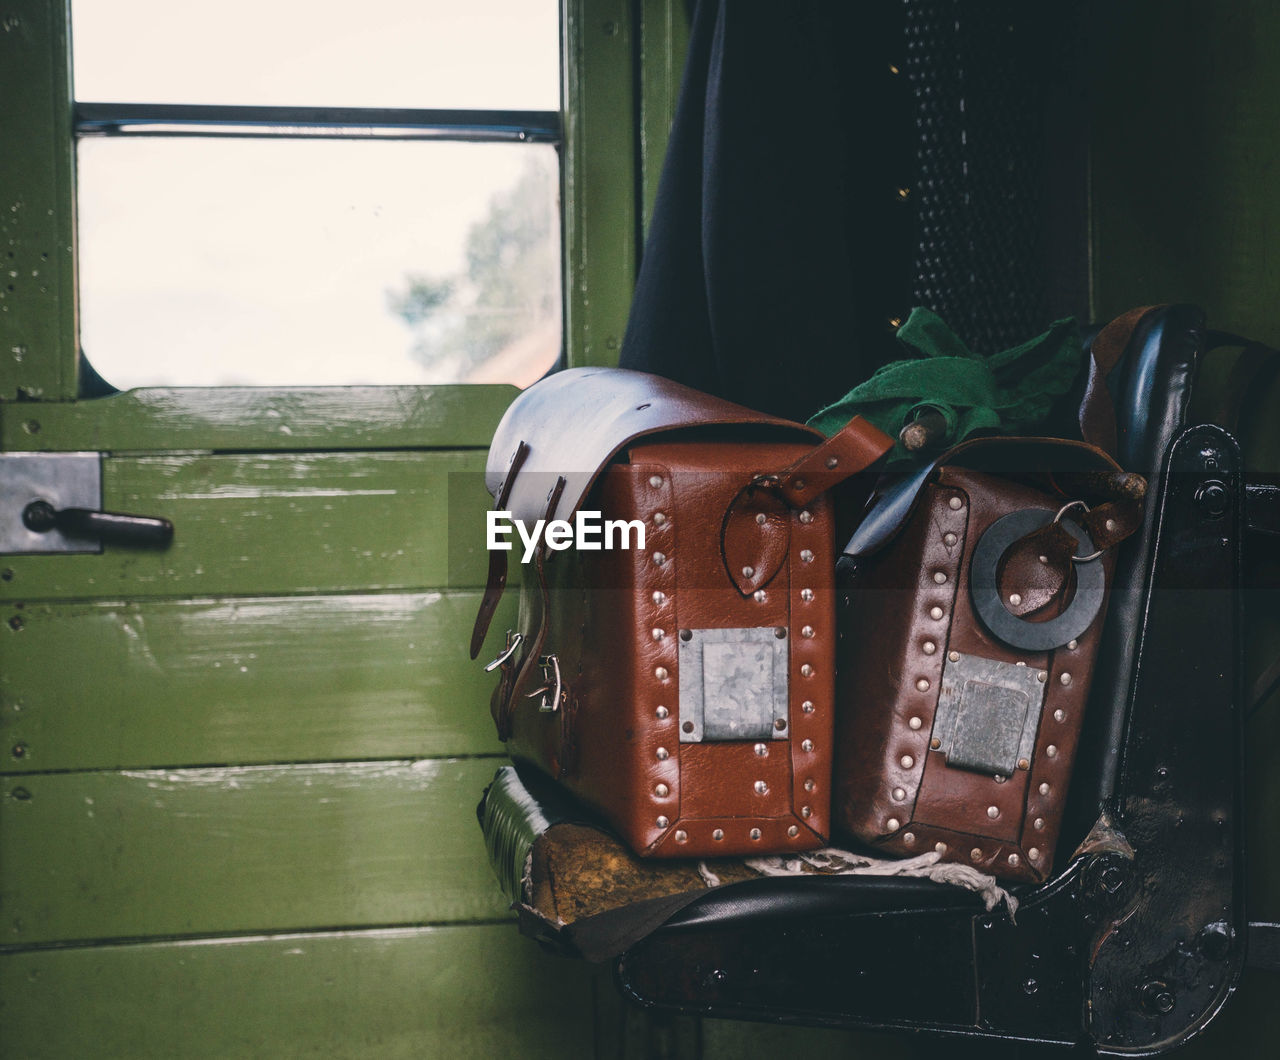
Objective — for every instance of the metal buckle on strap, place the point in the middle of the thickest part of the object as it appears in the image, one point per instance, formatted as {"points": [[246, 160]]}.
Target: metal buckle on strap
{"points": [[551, 678], [513, 642]]}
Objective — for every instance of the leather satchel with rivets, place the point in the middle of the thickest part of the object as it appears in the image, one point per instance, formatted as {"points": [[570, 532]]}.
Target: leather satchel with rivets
{"points": [[974, 597], [677, 676]]}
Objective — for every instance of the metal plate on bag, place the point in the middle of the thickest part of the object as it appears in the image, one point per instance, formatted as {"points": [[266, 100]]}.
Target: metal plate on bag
{"points": [[733, 684], [988, 713]]}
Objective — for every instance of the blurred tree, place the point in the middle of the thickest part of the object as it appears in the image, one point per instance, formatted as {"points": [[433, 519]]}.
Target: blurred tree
{"points": [[509, 291]]}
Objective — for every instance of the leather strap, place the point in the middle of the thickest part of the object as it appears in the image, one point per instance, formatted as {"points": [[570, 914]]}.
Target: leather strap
{"points": [[496, 582], [1097, 408]]}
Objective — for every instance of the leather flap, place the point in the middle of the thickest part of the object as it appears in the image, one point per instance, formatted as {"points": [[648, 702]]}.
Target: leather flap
{"points": [[574, 422]]}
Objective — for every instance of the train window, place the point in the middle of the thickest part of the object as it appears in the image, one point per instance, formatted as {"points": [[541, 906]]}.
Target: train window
{"points": [[314, 194]]}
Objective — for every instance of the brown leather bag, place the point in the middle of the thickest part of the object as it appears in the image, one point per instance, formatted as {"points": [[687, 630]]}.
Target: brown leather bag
{"points": [[683, 689], [969, 637]]}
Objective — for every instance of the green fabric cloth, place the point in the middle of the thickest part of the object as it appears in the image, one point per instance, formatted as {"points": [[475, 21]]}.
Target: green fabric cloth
{"points": [[1011, 392]]}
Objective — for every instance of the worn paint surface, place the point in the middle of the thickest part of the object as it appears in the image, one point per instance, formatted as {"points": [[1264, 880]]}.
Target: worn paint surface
{"points": [[171, 852], [244, 680]]}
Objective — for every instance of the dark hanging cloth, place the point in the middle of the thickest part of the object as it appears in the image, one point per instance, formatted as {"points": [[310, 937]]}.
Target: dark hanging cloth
{"points": [[746, 287]]}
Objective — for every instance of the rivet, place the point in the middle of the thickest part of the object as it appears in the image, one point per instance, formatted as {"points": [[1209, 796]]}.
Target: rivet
{"points": [[807, 706], [659, 558], [798, 484], [810, 784], [941, 848], [662, 791], [663, 822], [779, 723], [999, 778], [760, 596], [754, 833], [659, 519], [1065, 678], [899, 794], [922, 685], [908, 837], [806, 516], [686, 634], [761, 750], [940, 577], [1051, 751], [662, 754], [907, 761], [954, 656], [806, 595], [655, 481], [780, 632], [1015, 599], [893, 824], [1044, 789], [1033, 854], [935, 743], [681, 835], [935, 613], [658, 634], [1059, 715], [806, 670], [1072, 645], [928, 647], [955, 504], [975, 854], [717, 834], [806, 631], [1042, 676], [832, 463], [949, 539], [761, 518], [793, 831], [662, 713], [748, 572], [1110, 524], [1020, 662], [806, 556], [687, 726], [1038, 824], [806, 745], [1014, 860], [806, 812], [993, 812], [761, 787], [661, 673], [914, 723], [1023, 763], [659, 598]]}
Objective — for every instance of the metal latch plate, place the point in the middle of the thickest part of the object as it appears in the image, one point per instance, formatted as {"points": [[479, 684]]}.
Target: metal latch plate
{"points": [[988, 713], [65, 480], [733, 684]]}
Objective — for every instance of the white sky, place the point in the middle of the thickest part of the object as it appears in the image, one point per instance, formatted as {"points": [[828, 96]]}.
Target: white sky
{"points": [[216, 261]]}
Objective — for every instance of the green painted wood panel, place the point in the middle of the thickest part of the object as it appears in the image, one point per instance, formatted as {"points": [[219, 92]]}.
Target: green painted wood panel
{"points": [[272, 523], [601, 178], [479, 992], [228, 418], [245, 681], [37, 223], [246, 849]]}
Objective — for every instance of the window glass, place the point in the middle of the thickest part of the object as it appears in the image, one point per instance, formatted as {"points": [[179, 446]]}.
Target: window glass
{"points": [[317, 262], [442, 54]]}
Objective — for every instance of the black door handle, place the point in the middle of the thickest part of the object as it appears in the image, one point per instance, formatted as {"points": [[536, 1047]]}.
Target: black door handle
{"points": [[111, 527]]}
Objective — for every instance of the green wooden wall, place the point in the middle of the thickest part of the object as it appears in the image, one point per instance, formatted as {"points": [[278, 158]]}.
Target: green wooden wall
{"points": [[237, 779]]}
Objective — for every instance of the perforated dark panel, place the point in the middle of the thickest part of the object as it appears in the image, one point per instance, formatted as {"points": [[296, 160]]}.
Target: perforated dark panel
{"points": [[995, 207]]}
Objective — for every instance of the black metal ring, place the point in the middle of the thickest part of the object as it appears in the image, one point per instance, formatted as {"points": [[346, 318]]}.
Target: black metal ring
{"points": [[985, 592]]}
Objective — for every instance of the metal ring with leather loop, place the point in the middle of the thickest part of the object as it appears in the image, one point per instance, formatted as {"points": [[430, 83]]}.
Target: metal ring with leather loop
{"points": [[984, 589]]}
